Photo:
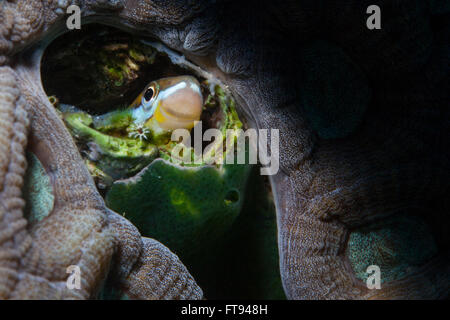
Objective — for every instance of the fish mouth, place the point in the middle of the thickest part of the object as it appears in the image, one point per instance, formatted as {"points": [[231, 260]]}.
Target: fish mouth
{"points": [[141, 114]]}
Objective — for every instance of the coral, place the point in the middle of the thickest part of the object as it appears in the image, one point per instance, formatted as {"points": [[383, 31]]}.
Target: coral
{"points": [[139, 132], [396, 159], [185, 208]]}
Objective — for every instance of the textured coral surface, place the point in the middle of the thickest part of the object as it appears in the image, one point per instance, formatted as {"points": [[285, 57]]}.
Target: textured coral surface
{"points": [[386, 151]]}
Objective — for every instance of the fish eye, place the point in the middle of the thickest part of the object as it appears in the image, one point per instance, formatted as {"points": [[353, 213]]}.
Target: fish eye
{"points": [[148, 94]]}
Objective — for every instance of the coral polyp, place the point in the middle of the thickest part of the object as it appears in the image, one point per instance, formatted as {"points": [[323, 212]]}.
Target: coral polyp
{"points": [[138, 131]]}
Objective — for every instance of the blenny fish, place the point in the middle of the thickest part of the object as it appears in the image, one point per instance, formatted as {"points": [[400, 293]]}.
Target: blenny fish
{"points": [[170, 103]]}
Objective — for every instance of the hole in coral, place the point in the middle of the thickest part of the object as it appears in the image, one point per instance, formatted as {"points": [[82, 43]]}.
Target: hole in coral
{"points": [[100, 68], [231, 197]]}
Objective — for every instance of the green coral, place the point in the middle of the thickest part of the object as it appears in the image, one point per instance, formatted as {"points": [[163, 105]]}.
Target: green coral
{"points": [[184, 208], [246, 264]]}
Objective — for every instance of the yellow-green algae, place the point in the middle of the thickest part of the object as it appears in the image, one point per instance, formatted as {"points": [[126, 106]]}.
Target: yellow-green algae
{"points": [[119, 157], [98, 67]]}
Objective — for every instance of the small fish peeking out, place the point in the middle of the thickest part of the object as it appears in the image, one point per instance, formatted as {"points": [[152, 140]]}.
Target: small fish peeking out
{"points": [[175, 103], [165, 104]]}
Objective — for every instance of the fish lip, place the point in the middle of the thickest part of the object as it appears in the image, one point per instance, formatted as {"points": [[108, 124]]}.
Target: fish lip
{"points": [[141, 115]]}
